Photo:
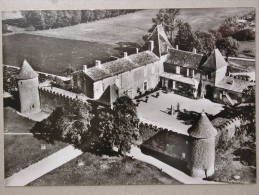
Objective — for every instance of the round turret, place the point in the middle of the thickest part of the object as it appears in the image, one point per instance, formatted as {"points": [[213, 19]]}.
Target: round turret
{"points": [[28, 89], [202, 145]]}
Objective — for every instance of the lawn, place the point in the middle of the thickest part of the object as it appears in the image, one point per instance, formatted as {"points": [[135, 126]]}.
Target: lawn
{"points": [[97, 170], [20, 151], [155, 110], [53, 55], [14, 123]]}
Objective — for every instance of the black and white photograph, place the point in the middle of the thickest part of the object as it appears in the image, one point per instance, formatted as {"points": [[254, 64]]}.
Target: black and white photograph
{"points": [[129, 96]]}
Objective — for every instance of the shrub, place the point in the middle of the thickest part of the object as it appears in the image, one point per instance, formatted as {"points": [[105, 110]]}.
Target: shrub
{"points": [[244, 35]]}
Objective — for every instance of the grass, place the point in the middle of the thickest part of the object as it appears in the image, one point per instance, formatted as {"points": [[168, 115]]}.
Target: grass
{"points": [[20, 151], [104, 170], [204, 19], [227, 166], [125, 28], [53, 55], [247, 49], [15, 123]]}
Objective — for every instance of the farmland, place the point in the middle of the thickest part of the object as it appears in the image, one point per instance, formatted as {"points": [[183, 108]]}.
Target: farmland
{"points": [[53, 55], [204, 19], [55, 50]]}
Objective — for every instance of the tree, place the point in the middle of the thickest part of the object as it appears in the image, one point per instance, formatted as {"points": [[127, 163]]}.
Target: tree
{"points": [[185, 38], [92, 128], [35, 18], [50, 18], [206, 42], [244, 35], [125, 124], [228, 46], [166, 17]]}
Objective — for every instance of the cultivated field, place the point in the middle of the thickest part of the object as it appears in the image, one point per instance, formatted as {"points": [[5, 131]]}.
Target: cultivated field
{"points": [[125, 28], [55, 50], [53, 55]]}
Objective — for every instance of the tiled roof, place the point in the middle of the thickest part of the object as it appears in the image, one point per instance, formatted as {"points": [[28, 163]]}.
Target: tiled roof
{"points": [[121, 65], [202, 128], [215, 61], [161, 42], [96, 73], [26, 72], [184, 58], [118, 66], [143, 58], [237, 85]]}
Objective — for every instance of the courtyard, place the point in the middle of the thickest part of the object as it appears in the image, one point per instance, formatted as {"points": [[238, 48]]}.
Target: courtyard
{"points": [[155, 110]]}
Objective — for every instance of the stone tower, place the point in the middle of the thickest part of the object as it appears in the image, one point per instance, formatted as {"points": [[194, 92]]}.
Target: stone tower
{"points": [[202, 136], [28, 89]]}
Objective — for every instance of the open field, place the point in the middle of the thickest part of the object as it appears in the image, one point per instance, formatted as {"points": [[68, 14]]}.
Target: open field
{"points": [[125, 28], [24, 150], [97, 170], [71, 47], [204, 19], [155, 110], [53, 55], [14, 123], [131, 27], [247, 49]]}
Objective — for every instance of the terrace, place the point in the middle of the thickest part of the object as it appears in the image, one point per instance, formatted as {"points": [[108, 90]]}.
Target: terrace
{"points": [[156, 111]]}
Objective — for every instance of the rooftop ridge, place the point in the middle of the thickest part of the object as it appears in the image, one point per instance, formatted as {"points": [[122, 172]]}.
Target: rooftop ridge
{"points": [[190, 52]]}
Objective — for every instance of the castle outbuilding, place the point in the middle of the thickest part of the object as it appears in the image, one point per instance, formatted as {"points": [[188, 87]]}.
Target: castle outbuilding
{"points": [[28, 84], [202, 137]]}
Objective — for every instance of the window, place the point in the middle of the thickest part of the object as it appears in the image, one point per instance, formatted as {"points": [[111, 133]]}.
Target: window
{"points": [[145, 86], [177, 69]]}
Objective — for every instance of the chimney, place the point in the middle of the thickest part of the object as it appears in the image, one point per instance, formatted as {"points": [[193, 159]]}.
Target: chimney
{"points": [[84, 68], [125, 54], [176, 47], [194, 50], [151, 45], [137, 50], [98, 63]]}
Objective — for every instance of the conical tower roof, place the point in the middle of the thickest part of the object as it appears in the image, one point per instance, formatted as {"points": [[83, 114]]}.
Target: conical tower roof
{"points": [[215, 61], [203, 128], [26, 72], [161, 42]]}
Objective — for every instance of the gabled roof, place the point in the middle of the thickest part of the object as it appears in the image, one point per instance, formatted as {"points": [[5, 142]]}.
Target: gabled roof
{"points": [[215, 61], [143, 58], [121, 65], [161, 42], [26, 72], [203, 128], [184, 58]]}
